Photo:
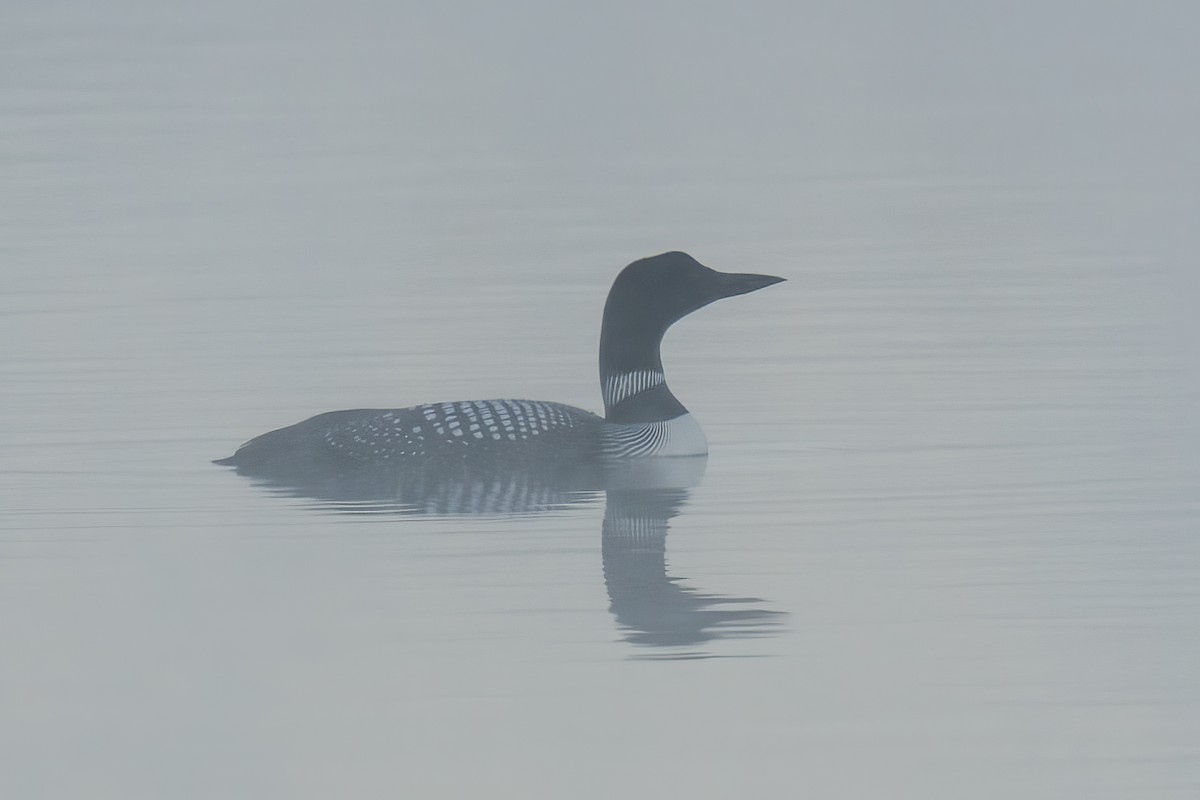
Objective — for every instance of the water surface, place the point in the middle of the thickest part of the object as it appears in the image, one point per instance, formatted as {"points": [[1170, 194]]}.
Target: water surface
{"points": [[944, 544]]}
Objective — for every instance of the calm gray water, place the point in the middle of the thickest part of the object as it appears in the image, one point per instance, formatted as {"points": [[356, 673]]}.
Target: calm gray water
{"points": [[945, 544]]}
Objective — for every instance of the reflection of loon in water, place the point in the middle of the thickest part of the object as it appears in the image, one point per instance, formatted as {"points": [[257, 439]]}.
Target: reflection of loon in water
{"points": [[656, 610], [652, 609], [521, 456], [641, 415]]}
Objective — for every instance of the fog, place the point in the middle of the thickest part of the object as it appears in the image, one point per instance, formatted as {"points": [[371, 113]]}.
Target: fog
{"points": [[944, 543]]}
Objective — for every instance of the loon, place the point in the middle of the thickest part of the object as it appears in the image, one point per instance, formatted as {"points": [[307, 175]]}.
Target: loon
{"points": [[641, 416]]}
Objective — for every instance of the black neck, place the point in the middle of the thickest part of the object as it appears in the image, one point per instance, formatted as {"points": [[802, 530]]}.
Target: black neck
{"points": [[630, 342], [652, 405]]}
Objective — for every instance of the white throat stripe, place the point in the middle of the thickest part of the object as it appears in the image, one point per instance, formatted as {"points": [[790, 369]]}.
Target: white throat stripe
{"points": [[626, 384]]}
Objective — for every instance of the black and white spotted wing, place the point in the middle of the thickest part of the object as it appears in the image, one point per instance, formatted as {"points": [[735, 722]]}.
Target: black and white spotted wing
{"points": [[464, 427]]}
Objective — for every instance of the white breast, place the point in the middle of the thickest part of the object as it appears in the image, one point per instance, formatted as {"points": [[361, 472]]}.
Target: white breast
{"points": [[685, 437], [681, 436]]}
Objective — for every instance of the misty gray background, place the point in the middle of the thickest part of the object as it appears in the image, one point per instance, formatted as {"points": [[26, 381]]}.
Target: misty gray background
{"points": [[958, 448]]}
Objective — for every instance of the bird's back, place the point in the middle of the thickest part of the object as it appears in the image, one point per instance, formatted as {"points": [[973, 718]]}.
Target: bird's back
{"points": [[510, 430]]}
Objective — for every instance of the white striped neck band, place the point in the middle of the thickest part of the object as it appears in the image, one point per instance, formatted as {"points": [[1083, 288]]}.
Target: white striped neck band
{"points": [[624, 385]]}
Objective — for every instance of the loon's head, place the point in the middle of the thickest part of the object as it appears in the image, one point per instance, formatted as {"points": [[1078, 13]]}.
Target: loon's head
{"points": [[652, 293], [649, 296]]}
